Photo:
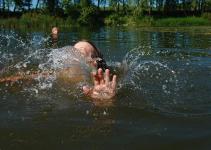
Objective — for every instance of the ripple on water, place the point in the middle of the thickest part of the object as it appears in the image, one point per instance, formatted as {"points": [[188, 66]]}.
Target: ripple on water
{"points": [[145, 82], [155, 85]]}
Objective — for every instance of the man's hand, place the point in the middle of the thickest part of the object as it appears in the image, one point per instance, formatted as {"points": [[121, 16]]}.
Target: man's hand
{"points": [[103, 88]]}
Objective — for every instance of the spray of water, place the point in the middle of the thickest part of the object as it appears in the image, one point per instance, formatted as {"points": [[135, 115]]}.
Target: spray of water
{"points": [[20, 58], [144, 81], [147, 83]]}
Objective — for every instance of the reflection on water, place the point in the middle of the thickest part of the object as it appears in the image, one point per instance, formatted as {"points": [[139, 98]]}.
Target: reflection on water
{"points": [[163, 91]]}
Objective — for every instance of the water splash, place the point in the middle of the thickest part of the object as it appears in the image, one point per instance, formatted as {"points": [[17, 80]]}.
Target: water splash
{"points": [[30, 59], [148, 83], [146, 79]]}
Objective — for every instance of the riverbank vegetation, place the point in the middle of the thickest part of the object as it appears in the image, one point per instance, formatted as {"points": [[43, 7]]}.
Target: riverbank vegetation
{"points": [[68, 13]]}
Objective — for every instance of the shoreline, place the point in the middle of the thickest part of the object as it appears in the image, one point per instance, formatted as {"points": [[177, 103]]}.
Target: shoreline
{"points": [[34, 21]]}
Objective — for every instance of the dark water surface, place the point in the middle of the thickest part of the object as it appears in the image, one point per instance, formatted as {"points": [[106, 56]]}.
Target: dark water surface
{"points": [[163, 99]]}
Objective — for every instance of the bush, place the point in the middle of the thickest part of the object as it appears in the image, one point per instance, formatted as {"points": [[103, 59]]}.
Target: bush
{"points": [[115, 19], [73, 11], [146, 21], [88, 16], [207, 16], [70, 20], [35, 19], [39, 20], [137, 12], [12, 22]]}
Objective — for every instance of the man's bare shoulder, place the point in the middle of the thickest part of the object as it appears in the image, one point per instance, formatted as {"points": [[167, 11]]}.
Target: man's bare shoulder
{"points": [[71, 74]]}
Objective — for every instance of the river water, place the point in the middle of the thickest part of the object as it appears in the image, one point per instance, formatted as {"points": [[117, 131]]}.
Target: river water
{"points": [[163, 96]]}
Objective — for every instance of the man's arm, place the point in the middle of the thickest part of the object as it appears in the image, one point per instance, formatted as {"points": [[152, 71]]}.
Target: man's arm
{"points": [[23, 76]]}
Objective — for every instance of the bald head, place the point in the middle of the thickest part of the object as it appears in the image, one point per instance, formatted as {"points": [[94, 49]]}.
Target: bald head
{"points": [[89, 50], [85, 48]]}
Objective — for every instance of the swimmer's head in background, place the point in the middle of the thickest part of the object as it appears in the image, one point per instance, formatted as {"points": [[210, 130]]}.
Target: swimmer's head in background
{"points": [[55, 31], [96, 55], [55, 34]]}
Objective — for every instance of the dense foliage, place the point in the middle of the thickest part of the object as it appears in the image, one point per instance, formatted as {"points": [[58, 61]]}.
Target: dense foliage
{"points": [[109, 12], [117, 5]]}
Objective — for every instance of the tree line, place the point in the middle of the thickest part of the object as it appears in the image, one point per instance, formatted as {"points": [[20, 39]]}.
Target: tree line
{"points": [[120, 6]]}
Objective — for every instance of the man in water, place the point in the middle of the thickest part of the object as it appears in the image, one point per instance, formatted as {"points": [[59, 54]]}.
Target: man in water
{"points": [[103, 87], [54, 36]]}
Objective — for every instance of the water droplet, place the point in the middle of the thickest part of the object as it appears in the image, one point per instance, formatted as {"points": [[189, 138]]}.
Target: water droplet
{"points": [[104, 113], [87, 112]]}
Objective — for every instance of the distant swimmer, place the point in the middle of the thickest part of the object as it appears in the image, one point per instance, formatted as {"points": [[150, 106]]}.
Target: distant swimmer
{"points": [[55, 36], [55, 31]]}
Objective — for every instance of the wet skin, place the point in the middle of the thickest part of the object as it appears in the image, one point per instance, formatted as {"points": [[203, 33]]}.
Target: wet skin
{"points": [[103, 87]]}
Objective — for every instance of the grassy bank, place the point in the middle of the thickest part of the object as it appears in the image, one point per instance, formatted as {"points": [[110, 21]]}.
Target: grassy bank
{"points": [[35, 20], [157, 22], [88, 16], [31, 20], [185, 21]]}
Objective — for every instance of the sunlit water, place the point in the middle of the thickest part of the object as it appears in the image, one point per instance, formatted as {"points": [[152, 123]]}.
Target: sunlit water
{"points": [[163, 96]]}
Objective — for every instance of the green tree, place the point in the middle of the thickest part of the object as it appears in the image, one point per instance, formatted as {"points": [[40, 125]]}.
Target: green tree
{"points": [[145, 5], [38, 1], [115, 4], [18, 4], [208, 5], [170, 5], [52, 5], [3, 5], [159, 5], [8, 3], [66, 3], [85, 3], [28, 4], [98, 3]]}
